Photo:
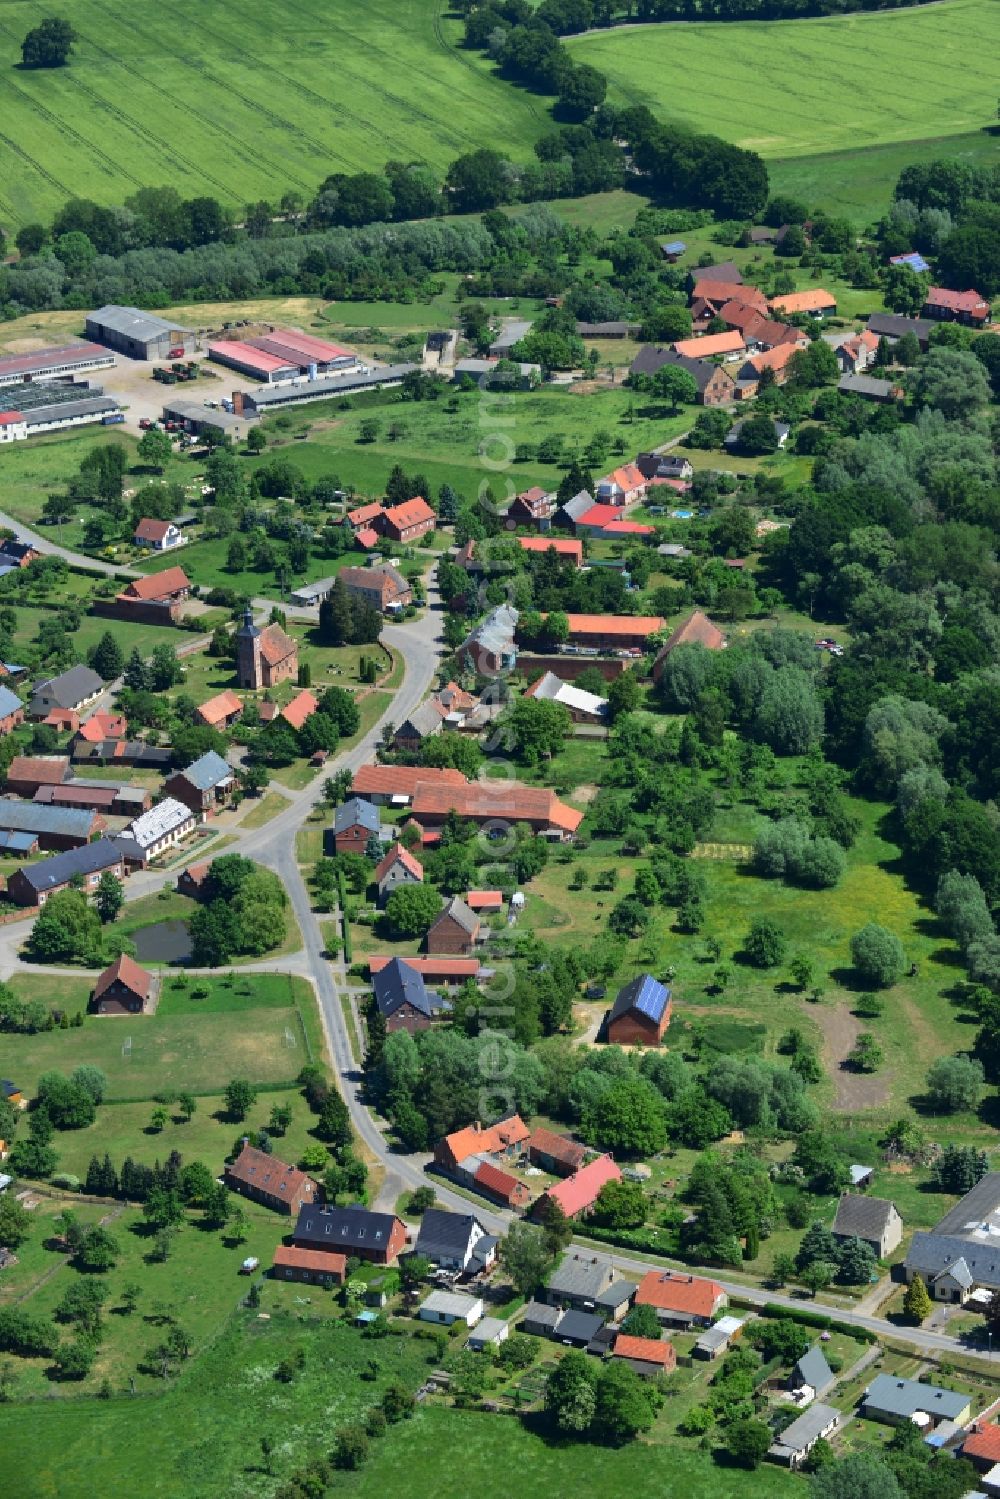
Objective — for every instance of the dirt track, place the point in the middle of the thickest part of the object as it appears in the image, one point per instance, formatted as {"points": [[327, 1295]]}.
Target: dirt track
{"points": [[855, 1091]]}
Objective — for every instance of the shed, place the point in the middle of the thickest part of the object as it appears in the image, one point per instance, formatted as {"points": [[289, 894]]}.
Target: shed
{"points": [[490, 1333], [448, 1307]]}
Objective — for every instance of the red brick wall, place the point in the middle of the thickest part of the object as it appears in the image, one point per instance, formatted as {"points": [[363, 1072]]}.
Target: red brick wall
{"points": [[631, 1030], [448, 937]]}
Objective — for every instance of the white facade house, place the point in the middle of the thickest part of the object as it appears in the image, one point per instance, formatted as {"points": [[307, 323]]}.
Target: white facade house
{"points": [[161, 827], [449, 1307], [13, 426]]}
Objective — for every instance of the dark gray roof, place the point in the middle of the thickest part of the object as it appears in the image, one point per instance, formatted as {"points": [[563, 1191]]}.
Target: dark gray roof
{"points": [[805, 1429], [865, 385], [354, 812], [544, 1316], [978, 1204], [398, 984], [353, 1228], [208, 771], [292, 392], [644, 995], [732, 437], [62, 410], [862, 1217], [650, 359], [36, 817], [484, 1248], [931, 1254], [603, 330], [579, 1275], [422, 722], [578, 505], [461, 913], [72, 687], [902, 1397], [579, 1327], [445, 1234], [61, 868], [616, 1294], [726, 270], [894, 325], [813, 1369]]}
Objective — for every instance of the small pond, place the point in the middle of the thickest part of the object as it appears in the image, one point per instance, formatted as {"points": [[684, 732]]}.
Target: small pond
{"points": [[165, 942]]}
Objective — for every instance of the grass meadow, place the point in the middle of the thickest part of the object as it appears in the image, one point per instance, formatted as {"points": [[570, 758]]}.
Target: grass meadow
{"points": [[841, 82]]}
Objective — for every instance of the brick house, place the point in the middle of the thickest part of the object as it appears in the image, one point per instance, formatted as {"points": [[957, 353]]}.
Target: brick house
{"points": [[956, 306], [316, 1267], [503, 1141], [408, 522], [354, 822], [11, 710], [613, 632], [577, 1194], [499, 1185], [122, 989], [377, 1237], [403, 999], [384, 588], [265, 1179], [456, 930], [681, 1300], [32, 885], [640, 1013], [204, 785], [714, 385], [647, 1356], [26, 774], [534, 507]]}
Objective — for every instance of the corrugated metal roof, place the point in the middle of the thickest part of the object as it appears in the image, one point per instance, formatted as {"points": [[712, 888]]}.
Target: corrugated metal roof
{"points": [[132, 322], [61, 822]]}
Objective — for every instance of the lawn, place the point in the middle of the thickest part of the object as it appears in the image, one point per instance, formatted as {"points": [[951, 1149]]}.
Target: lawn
{"points": [[243, 102], [912, 76], [194, 1052]]}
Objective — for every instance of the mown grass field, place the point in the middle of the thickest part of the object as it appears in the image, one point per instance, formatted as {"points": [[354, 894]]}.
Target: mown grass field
{"points": [[817, 84]]}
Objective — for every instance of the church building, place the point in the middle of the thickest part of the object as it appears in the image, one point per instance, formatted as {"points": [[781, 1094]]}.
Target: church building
{"points": [[264, 657]]}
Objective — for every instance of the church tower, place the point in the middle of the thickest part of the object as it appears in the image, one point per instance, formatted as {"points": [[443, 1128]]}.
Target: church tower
{"points": [[248, 664]]}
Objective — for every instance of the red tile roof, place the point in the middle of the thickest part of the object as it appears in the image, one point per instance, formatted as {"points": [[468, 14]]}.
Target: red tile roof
{"points": [[411, 513], [711, 344], [219, 708], [671, 1292], [402, 780], [128, 971], [649, 1350], [485, 800], [42, 770], [614, 624], [10, 418], [267, 1174], [151, 530], [488, 1140], [559, 1147], [628, 528], [365, 513], [103, 726], [813, 300], [301, 707], [564, 546], [983, 1443], [730, 291], [774, 359], [501, 1183], [484, 900], [431, 968], [969, 302], [580, 1191], [697, 629], [159, 585], [401, 855], [367, 538], [325, 1260], [275, 645], [628, 477]]}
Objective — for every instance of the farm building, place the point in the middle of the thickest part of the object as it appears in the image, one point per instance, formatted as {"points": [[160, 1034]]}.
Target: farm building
{"points": [[140, 335], [583, 707], [27, 773], [956, 306], [893, 326], [613, 632], [697, 629], [396, 785], [30, 409], [195, 416], [557, 1154], [377, 1237], [32, 885], [54, 364], [297, 392], [122, 989], [504, 1140], [54, 827], [282, 354], [649, 1357], [436, 970], [489, 1333], [870, 388], [714, 385], [565, 548], [815, 303], [265, 1179], [73, 689], [169, 587], [640, 1013], [495, 1183], [316, 1267], [493, 801], [577, 1194]]}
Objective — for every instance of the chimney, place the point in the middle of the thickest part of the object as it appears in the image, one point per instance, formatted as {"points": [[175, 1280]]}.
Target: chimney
{"points": [[237, 403]]}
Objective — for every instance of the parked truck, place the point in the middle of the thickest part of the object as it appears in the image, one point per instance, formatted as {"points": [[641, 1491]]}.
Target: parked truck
{"points": [[112, 419]]}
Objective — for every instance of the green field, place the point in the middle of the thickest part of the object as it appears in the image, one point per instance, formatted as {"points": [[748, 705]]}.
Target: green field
{"points": [[799, 88], [241, 102]]}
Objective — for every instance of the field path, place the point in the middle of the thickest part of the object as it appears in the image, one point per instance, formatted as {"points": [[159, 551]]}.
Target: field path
{"points": [[854, 1091]]}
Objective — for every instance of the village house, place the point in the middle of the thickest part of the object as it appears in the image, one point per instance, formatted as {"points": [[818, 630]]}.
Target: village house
{"points": [[11, 711], [533, 507], [815, 303], [158, 535], [221, 711], [18, 552], [34, 883], [959, 1259], [397, 867], [384, 588], [12, 1094], [71, 691], [191, 880], [640, 1014], [455, 931], [204, 786], [426, 720], [122, 989], [794, 1444], [697, 629], [376, 1237], [982, 1445], [666, 466], [454, 1241], [855, 354], [168, 588], [776, 360], [680, 1300], [711, 294], [403, 999], [265, 1179], [354, 823], [873, 1220], [364, 516], [162, 827], [956, 306], [607, 523], [895, 1401], [649, 1357], [577, 1194], [503, 1141], [264, 656], [406, 523], [759, 331], [810, 1377], [557, 1154], [316, 1267], [449, 1307], [450, 972], [624, 487], [715, 385], [489, 647], [578, 1280], [101, 726], [733, 438]]}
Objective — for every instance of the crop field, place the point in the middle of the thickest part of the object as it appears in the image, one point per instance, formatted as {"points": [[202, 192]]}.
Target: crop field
{"points": [[847, 81], [241, 101]]}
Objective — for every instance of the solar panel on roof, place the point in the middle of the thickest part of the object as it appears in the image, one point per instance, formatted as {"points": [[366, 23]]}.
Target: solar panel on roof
{"points": [[652, 998]]}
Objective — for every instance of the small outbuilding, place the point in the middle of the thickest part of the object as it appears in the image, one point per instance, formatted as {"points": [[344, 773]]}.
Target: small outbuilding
{"points": [[490, 1333], [449, 1307]]}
